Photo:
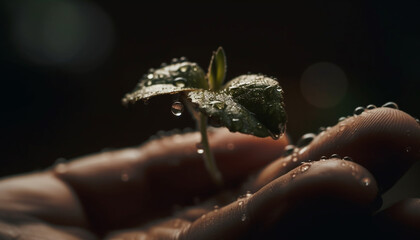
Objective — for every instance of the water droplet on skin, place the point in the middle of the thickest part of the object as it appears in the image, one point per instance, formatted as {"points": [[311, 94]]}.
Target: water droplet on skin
{"points": [[323, 158], [342, 119], [293, 175], [335, 156], [305, 167], [241, 203], [390, 105], [200, 148], [408, 149], [230, 146], [341, 127], [347, 158], [365, 181], [305, 140], [180, 82], [284, 164], [358, 111], [288, 150], [125, 177], [370, 107], [243, 218], [177, 108]]}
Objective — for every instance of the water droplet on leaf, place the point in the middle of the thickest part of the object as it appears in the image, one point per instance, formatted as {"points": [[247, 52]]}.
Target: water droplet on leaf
{"points": [[180, 82], [177, 108], [304, 167]]}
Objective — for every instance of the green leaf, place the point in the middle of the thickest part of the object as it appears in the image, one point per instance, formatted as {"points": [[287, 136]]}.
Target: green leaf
{"points": [[217, 69], [251, 104], [170, 79]]}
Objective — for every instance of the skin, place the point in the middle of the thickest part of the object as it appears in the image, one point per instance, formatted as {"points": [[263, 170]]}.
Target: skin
{"points": [[161, 190]]}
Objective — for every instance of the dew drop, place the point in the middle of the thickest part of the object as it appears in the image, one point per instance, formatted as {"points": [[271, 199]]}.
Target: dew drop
{"points": [[358, 110], [180, 82], [305, 140], [335, 156], [243, 218], [200, 148], [390, 105], [304, 167], [177, 108], [125, 177], [150, 76], [288, 150], [365, 181], [370, 106], [347, 158]]}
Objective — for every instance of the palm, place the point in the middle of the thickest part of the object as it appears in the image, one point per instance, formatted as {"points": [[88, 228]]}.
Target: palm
{"points": [[162, 190]]}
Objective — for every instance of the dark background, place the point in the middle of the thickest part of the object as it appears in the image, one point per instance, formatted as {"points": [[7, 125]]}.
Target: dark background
{"points": [[66, 64]]}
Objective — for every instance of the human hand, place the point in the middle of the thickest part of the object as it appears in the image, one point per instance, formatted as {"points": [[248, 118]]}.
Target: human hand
{"points": [[161, 190]]}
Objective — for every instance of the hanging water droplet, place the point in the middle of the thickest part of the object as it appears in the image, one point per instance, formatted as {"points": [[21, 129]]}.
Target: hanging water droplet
{"points": [[390, 105], [305, 140], [358, 110], [177, 108], [370, 106], [342, 119], [200, 148], [305, 167], [365, 181], [243, 218], [288, 150], [180, 82], [125, 177], [347, 158], [335, 156]]}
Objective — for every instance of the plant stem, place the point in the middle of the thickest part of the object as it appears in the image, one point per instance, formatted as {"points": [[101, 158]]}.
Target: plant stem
{"points": [[207, 154]]}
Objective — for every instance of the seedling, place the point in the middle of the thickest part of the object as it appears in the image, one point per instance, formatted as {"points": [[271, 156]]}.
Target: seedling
{"points": [[250, 104]]}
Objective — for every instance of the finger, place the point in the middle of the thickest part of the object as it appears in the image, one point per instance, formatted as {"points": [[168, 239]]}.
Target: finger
{"points": [[401, 220], [385, 141], [297, 199], [145, 182]]}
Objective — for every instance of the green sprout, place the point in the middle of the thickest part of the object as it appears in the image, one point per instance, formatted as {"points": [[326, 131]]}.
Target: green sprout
{"points": [[251, 104]]}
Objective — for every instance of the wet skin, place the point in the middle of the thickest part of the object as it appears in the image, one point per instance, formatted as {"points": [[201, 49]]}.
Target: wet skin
{"points": [[161, 190]]}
